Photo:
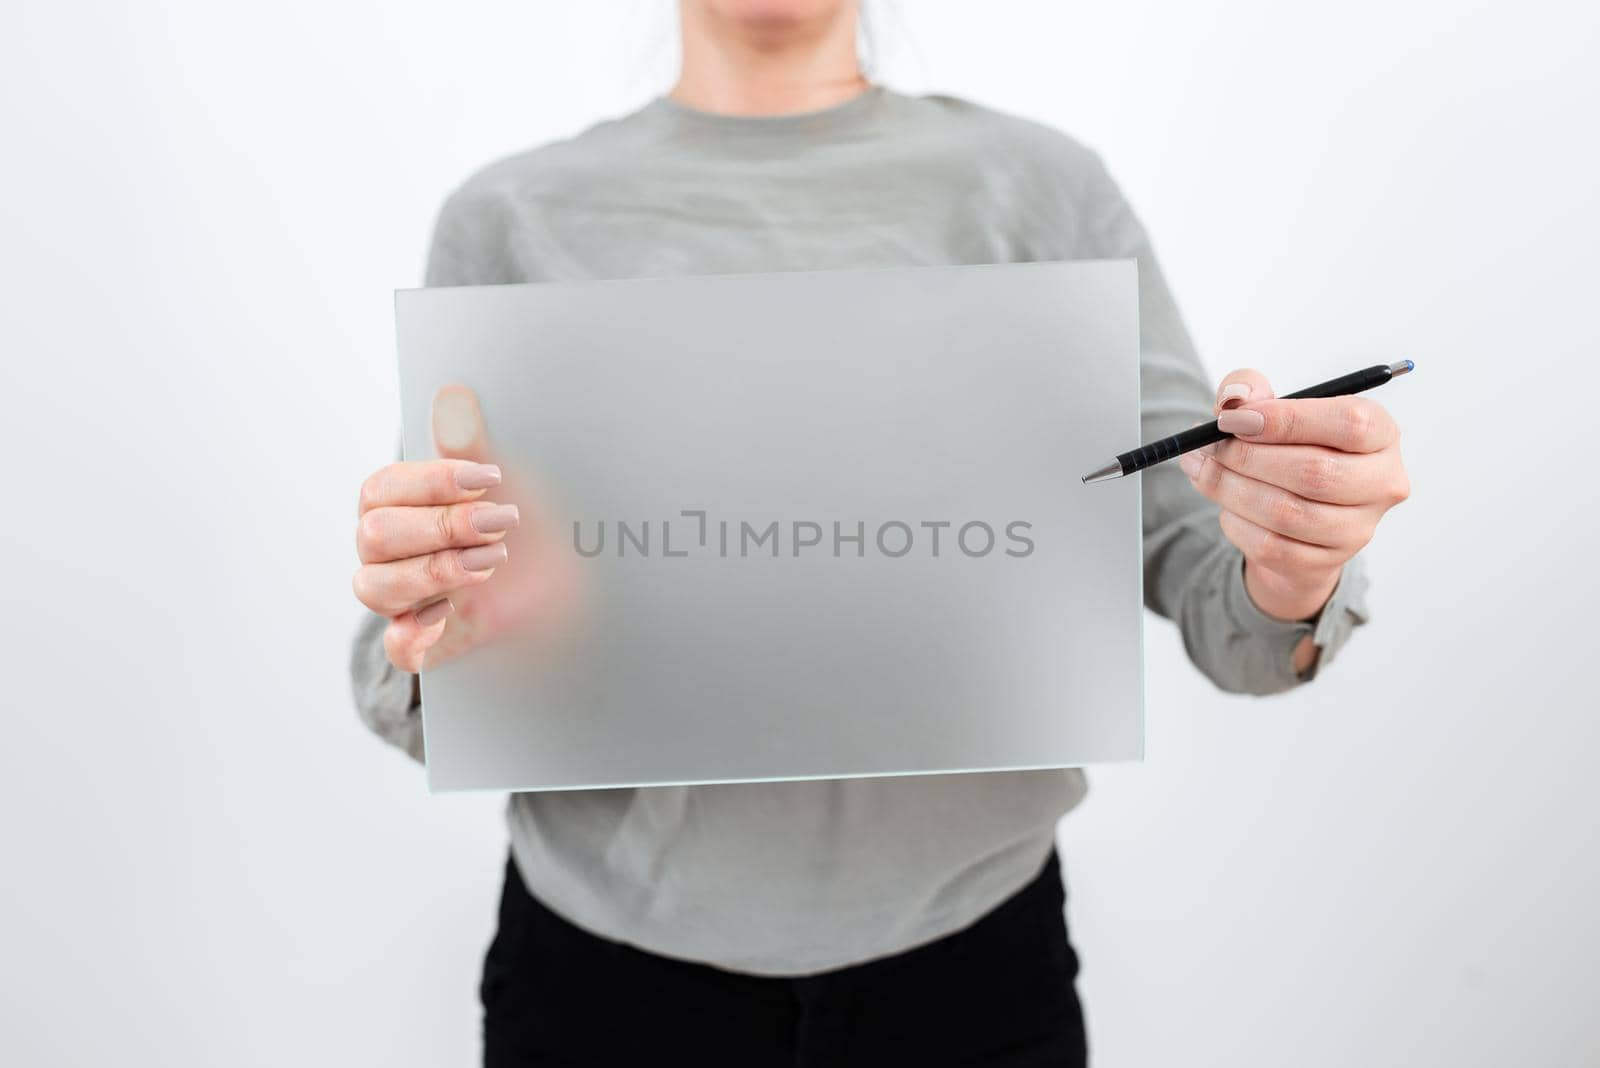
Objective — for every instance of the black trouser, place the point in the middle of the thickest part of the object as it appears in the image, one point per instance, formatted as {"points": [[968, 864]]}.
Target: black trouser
{"points": [[999, 992]]}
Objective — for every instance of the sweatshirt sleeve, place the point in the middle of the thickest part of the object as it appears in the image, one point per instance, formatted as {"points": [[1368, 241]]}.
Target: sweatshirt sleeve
{"points": [[385, 696], [1192, 574]]}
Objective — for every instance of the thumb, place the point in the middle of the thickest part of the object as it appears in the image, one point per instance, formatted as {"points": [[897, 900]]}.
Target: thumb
{"points": [[1241, 387], [458, 431]]}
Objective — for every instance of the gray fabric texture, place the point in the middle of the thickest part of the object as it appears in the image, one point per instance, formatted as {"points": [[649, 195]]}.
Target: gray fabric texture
{"points": [[796, 878]]}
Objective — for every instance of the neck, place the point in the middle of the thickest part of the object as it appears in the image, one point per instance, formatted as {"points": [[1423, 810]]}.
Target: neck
{"points": [[735, 67]]}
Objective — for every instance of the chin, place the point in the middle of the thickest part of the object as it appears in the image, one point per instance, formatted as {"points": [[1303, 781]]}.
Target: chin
{"points": [[775, 12]]}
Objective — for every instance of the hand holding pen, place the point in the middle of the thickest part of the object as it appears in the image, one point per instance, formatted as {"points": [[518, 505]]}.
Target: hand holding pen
{"points": [[1302, 480]]}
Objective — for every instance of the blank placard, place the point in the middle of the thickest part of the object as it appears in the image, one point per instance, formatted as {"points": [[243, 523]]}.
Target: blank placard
{"points": [[786, 526]]}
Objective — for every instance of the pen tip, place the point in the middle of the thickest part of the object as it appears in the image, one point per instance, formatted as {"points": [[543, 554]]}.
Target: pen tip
{"points": [[1403, 367], [1103, 472]]}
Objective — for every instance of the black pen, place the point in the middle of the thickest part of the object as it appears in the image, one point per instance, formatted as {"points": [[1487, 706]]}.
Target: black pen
{"points": [[1196, 437]]}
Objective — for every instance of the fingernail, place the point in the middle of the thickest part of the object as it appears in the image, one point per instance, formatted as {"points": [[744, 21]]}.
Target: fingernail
{"points": [[1233, 391], [1241, 421], [431, 614], [484, 557], [457, 421], [478, 477], [1191, 463], [493, 518]]}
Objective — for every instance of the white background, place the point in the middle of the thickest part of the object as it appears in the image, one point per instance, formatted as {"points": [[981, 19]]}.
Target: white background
{"points": [[205, 207]]}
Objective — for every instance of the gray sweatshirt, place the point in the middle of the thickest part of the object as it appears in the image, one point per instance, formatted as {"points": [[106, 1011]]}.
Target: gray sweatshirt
{"points": [[793, 878]]}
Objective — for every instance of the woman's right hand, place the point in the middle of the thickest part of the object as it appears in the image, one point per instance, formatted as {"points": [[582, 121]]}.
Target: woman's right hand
{"points": [[428, 537]]}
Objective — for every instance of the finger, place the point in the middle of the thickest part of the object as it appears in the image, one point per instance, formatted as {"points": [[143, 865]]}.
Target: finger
{"points": [[1275, 551], [1239, 386], [401, 585], [427, 482], [385, 534], [1349, 424], [408, 638], [1269, 506], [1315, 472], [458, 429]]}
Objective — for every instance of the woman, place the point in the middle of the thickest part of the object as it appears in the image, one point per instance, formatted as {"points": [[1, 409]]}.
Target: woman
{"points": [[875, 921]]}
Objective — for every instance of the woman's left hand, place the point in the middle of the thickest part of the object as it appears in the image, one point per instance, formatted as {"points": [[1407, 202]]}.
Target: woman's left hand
{"points": [[1302, 485]]}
